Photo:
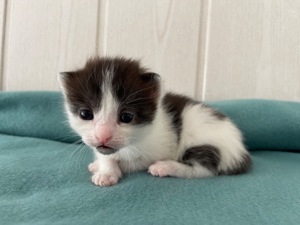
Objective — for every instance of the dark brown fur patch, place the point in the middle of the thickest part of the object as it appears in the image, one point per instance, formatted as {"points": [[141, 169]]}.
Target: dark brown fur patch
{"points": [[206, 155], [136, 89], [83, 87], [242, 167], [174, 105], [216, 113], [133, 86]]}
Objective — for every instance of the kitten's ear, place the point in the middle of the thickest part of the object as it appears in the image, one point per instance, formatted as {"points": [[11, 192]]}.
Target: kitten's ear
{"points": [[147, 77], [63, 77]]}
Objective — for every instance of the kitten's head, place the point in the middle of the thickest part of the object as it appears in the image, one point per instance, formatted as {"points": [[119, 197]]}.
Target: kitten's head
{"points": [[109, 101]]}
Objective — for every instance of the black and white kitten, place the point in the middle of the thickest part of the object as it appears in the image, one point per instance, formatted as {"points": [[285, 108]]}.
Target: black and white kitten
{"points": [[117, 107]]}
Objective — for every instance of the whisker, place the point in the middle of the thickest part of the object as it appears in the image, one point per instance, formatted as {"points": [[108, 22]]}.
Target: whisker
{"points": [[68, 147], [139, 91], [139, 99], [70, 137], [83, 152], [70, 158]]}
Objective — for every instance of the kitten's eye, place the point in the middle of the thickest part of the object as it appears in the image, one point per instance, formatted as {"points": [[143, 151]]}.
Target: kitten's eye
{"points": [[126, 117], [86, 114]]}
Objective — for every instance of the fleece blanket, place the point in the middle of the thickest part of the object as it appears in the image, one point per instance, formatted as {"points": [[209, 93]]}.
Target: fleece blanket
{"points": [[265, 124], [44, 177]]}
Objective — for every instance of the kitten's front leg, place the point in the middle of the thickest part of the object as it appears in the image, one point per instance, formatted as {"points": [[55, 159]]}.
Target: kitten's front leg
{"points": [[106, 172], [93, 167]]}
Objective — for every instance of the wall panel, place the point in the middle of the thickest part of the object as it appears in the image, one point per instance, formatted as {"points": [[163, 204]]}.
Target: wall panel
{"points": [[253, 50], [163, 34], [45, 37]]}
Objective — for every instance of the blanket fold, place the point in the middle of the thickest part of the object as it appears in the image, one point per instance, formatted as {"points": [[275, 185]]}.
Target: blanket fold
{"points": [[266, 124]]}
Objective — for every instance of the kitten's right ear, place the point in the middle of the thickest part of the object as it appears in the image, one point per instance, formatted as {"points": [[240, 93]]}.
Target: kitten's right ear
{"points": [[149, 76], [63, 77], [66, 75]]}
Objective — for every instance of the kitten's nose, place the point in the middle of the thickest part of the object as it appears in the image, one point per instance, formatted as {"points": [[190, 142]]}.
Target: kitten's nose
{"points": [[104, 134], [104, 140]]}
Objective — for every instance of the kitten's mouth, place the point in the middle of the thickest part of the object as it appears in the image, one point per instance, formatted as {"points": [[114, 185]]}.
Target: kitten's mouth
{"points": [[106, 150]]}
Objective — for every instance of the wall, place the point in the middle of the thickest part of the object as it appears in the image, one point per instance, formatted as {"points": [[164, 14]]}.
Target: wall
{"points": [[210, 50]]}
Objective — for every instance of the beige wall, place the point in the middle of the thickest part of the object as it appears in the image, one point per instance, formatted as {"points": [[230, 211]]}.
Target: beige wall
{"points": [[211, 50]]}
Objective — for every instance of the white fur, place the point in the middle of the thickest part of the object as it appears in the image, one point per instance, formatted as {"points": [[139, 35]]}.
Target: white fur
{"points": [[177, 169]]}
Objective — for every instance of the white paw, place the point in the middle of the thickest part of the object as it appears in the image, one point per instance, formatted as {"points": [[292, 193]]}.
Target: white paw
{"points": [[93, 167], [104, 179], [162, 168]]}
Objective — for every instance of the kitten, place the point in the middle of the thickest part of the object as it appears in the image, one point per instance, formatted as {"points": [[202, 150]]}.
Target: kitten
{"points": [[117, 107]]}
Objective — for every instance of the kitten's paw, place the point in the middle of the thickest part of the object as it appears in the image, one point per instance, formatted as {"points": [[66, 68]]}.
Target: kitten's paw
{"points": [[93, 167], [104, 179], [162, 168]]}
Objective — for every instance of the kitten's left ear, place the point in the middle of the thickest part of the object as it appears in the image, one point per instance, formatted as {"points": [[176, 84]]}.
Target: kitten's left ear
{"points": [[147, 77]]}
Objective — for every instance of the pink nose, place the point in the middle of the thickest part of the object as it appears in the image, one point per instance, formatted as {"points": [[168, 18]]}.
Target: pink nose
{"points": [[104, 134]]}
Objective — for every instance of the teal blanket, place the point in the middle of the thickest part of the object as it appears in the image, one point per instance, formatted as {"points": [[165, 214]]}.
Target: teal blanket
{"points": [[44, 177], [265, 124]]}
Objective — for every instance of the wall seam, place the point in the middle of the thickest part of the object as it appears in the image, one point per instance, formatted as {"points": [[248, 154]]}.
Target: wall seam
{"points": [[203, 49], [3, 41], [102, 28]]}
